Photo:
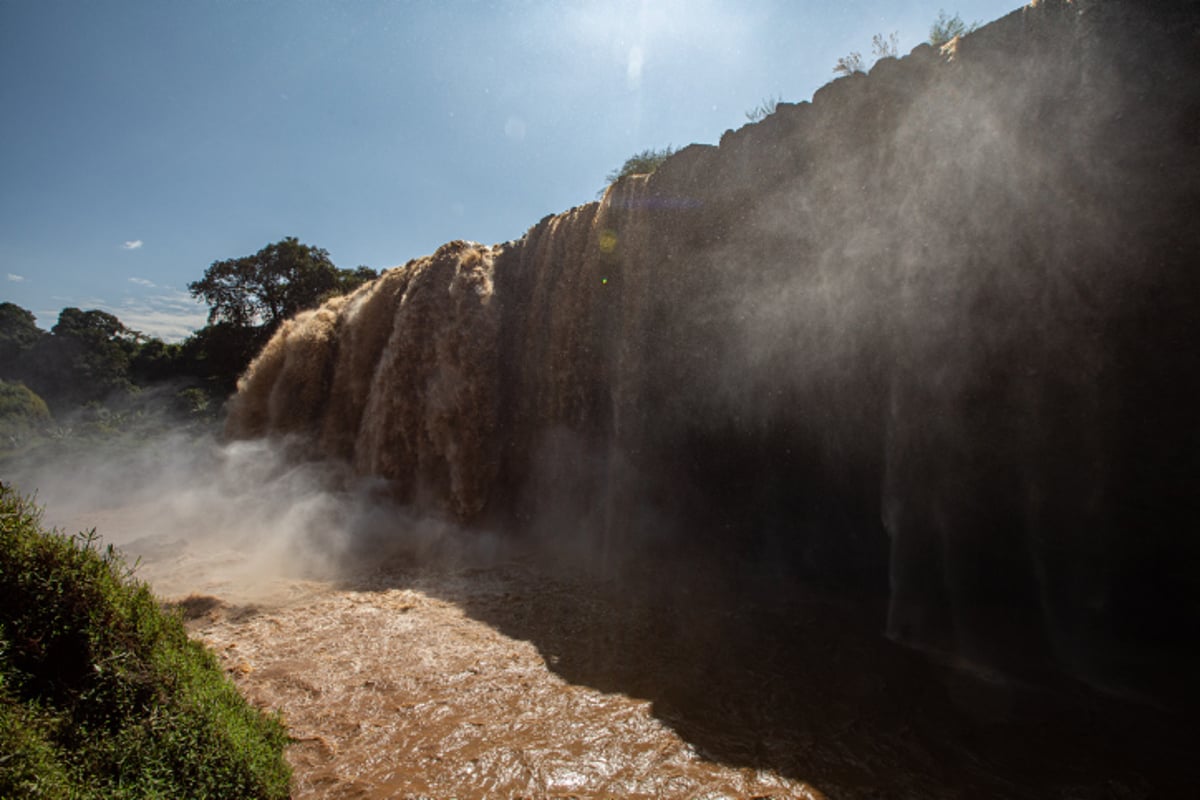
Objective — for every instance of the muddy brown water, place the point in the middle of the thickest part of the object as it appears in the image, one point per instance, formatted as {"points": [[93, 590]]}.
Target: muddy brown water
{"points": [[515, 678]]}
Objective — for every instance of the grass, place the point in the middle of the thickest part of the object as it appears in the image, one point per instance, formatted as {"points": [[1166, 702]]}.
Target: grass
{"points": [[102, 693]]}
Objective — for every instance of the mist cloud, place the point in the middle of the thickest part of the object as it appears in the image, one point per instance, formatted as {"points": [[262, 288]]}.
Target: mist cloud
{"points": [[168, 314], [903, 336], [232, 519]]}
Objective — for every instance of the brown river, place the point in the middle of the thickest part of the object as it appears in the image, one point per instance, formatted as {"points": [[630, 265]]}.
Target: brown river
{"points": [[472, 677]]}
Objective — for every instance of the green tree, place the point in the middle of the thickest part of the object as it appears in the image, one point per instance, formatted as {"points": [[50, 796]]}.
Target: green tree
{"points": [[348, 281], [155, 361], [84, 359], [219, 353], [351, 279], [251, 296], [18, 335], [92, 326], [266, 288]]}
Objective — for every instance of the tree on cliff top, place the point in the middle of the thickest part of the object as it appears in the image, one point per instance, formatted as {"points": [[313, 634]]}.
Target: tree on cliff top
{"points": [[268, 287], [251, 296]]}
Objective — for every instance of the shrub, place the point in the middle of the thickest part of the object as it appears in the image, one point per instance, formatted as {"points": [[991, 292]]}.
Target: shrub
{"points": [[23, 414], [945, 28], [102, 694], [885, 46], [763, 110], [881, 47], [20, 405], [642, 163], [848, 65]]}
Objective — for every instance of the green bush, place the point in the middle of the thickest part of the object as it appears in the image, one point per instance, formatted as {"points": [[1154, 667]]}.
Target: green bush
{"points": [[102, 693], [642, 163], [20, 407], [24, 418]]}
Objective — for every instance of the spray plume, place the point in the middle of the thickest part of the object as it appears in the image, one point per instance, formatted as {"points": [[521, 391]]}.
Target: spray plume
{"points": [[931, 334]]}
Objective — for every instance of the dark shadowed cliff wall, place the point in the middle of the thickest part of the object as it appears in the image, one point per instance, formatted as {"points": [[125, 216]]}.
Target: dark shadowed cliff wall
{"points": [[933, 334]]}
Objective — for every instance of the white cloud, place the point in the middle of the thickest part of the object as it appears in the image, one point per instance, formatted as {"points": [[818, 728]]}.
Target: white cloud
{"points": [[143, 282], [167, 313], [16, 278], [170, 326], [170, 315], [133, 245]]}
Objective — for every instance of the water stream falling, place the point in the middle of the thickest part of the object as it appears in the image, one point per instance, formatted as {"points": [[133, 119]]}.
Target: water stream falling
{"points": [[857, 455], [929, 335]]}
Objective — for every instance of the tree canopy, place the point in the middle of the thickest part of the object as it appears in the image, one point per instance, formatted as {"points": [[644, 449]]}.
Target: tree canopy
{"points": [[91, 357], [268, 287], [85, 358], [251, 296], [18, 334], [18, 327]]}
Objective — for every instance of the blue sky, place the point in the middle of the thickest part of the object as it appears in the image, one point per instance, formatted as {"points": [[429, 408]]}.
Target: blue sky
{"points": [[141, 141]]}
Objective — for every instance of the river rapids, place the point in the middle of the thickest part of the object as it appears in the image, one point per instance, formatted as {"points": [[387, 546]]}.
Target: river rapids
{"points": [[473, 676]]}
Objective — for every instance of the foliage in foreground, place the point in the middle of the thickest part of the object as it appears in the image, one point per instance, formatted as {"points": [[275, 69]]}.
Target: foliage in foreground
{"points": [[102, 694]]}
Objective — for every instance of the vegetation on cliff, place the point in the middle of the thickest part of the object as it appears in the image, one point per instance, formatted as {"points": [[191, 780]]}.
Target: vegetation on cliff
{"points": [[947, 27], [643, 163], [102, 694]]}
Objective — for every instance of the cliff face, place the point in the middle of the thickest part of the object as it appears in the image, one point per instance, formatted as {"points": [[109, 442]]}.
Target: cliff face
{"points": [[933, 333]]}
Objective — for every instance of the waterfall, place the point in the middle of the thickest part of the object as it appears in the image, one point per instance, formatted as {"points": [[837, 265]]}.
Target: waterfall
{"points": [[932, 334]]}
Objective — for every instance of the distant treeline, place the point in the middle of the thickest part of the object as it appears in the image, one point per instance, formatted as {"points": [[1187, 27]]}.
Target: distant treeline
{"points": [[90, 359]]}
